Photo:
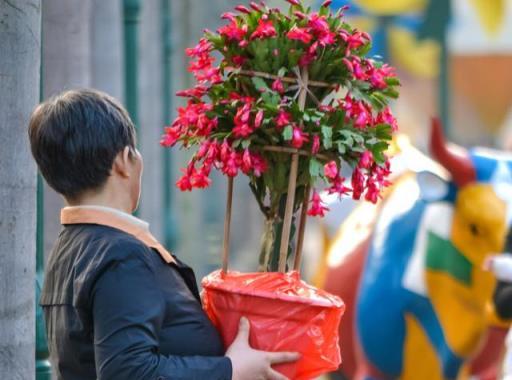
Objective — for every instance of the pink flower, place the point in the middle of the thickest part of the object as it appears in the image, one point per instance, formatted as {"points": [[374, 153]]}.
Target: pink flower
{"points": [[203, 149], [230, 165], [299, 138], [203, 62], [196, 92], [238, 60], [242, 9], [264, 29], [294, 2], [331, 170], [225, 151], [246, 162], [255, 6], [318, 23], [306, 59], [204, 46], [258, 119], [259, 165], [228, 16], [357, 183], [378, 76], [184, 183], [209, 75], [326, 3], [327, 38], [278, 86], [171, 137], [233, 31], [372, 191], [366, 160], [316, 144], [299, 15], [354, 40], [358, 111], [317, 206], [300, 34], [242, 130], [386, 117], [356, 68], [283, 119], [338, 187], [199, 179]]}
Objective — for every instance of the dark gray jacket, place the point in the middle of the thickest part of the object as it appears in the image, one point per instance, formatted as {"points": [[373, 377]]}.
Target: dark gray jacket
{"points": [[114, 309]]}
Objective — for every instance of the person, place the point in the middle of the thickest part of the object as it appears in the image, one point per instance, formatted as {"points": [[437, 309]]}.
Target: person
{"points": [[117, 304]]}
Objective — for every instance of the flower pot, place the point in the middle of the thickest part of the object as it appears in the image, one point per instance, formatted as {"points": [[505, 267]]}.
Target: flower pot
{"points": [[285, 314]]}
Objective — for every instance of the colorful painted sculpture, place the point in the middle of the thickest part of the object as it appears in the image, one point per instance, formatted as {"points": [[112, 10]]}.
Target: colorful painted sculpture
{"points": [[410, 271]]}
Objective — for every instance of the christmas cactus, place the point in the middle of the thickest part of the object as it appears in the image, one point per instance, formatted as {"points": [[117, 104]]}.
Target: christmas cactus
{"points": [[297, 83]]}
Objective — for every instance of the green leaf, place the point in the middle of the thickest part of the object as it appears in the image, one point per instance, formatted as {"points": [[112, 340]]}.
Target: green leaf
{"points": [[342, 149], [378, 151], [288, 133], [246, 144], [315, 167], [260, 84], [383, 131], [327, 137], [271, 98], [282, 72], [392, 81]]}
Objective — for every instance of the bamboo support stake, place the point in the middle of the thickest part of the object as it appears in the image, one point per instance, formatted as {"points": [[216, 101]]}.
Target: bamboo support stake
{"points": [[227, 226], [302, 229], [292, 185], [260, 74], [284, 149]]}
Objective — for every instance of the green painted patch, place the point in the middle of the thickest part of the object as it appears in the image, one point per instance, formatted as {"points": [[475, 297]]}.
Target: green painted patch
{"points": [[443, 256]]}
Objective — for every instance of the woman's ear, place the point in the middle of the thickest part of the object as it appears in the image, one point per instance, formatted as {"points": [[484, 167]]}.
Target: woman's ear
{"points": [[122, 163]]}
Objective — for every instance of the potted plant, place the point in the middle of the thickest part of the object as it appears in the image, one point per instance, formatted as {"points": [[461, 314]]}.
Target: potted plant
{"points": [[293, 98]]}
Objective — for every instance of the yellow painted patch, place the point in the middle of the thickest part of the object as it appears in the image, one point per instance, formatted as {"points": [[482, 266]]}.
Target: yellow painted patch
{"points": [[418, 57], [491, 14], [478, 229], [420, 359], [391, 7], [460, 309]]}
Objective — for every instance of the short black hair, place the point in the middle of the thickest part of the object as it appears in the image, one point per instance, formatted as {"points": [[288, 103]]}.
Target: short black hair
{"points": [[75, 137]]}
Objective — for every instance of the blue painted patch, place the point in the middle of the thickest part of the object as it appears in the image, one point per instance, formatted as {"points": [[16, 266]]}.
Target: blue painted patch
{"points": [[486, 162], [383, 301]]}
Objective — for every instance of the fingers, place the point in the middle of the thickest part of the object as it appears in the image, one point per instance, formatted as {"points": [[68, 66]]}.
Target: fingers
{"points": [[283, 357], [274, 375], [243, 330]]}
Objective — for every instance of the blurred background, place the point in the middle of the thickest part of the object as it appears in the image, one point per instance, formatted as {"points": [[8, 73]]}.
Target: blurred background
{"points": [[454, 59]]}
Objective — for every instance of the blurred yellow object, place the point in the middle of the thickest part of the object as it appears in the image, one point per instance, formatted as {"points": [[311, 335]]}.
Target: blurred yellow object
{"points": [[477, 205], [420, 58], [417, 345], [391, 7], [491, 14]]}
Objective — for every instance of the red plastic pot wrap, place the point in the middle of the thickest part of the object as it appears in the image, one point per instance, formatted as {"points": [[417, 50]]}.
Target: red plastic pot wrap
{"points": [[285, 314]]}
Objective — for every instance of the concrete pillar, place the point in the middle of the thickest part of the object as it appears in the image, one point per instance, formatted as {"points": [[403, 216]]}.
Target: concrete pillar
{"points": [[107, 47], [20, 43], [66, 65], [150, 114]]}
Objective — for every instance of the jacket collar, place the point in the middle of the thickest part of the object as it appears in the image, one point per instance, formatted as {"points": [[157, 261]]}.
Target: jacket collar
{"points": [[114, 218]]}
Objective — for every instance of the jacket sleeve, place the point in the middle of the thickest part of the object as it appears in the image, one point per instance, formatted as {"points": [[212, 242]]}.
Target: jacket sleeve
{"points": [[128, 311]]}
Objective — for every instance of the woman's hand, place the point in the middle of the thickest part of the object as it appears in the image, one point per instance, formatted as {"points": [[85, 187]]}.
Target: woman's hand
{"points": [[251, 364]]}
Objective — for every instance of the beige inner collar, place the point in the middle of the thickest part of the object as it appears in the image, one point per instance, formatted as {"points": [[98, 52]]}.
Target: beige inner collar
{"points": [[111, 217]]}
